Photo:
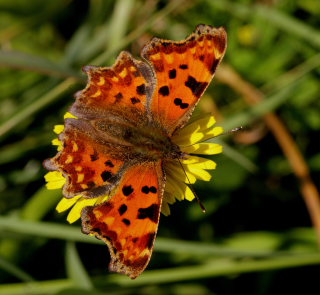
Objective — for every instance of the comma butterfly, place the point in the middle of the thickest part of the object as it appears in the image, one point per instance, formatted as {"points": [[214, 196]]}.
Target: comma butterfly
{"points": [[121, 139]]}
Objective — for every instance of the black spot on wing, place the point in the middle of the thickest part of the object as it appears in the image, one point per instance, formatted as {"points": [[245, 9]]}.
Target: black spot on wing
{"points": [[145, 189], [178, 102], [95, 156], [141, 89], [183, 67], [127, 190], [153, 189], [214, 66], [126, 221], [106, 175], [118, 97], [109, 164], [172, 74], [149, 189], [164, 90], [122, 209], [134, 100], [150, 240], [196, 87], [184, 105], [150, 212]]}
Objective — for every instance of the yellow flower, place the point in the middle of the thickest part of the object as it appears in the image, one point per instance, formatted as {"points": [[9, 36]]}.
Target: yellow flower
{"points": [[190, 140]]}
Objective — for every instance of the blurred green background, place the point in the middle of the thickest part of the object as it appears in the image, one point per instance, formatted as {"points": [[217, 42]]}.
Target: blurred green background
{"points": [[257, 236]]}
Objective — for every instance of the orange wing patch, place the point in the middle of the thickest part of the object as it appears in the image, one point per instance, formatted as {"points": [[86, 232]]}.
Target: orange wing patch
{"points": [[88, 167], [128, 222], [125, 85], [183, 70]]}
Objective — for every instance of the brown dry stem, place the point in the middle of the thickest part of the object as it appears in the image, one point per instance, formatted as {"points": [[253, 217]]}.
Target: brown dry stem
{"points": [[252, 95]]}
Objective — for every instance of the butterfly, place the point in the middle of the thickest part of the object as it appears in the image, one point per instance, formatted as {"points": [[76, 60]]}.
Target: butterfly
{"points": [[120, 139]]}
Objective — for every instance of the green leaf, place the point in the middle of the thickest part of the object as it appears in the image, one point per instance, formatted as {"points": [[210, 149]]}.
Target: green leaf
{"points": [[75, 268]]}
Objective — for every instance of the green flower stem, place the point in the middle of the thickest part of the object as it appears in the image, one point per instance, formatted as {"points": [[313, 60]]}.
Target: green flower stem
{"points": [[73, 233], [213, 268], [75, 269]]}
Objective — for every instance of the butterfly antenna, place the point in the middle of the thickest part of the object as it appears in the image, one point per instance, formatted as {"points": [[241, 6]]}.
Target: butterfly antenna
{"points": [[231, 131], [197, 198], [234, 130]]}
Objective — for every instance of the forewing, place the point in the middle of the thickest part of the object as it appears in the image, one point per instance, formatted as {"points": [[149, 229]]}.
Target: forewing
{"points": [[123, 90], [183, 70], [128, 222]]}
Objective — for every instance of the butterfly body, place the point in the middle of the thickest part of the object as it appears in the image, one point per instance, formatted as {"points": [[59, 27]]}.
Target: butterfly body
{"points": [[122, 137]]}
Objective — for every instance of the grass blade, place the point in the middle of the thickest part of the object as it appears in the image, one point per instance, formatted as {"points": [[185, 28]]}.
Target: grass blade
{"points": [[75, 269], [10, 123], [224, 267], [14, 270], [24, 61]]}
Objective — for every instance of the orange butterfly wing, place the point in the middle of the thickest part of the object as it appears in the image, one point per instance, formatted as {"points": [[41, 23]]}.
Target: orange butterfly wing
{"points": [[125, 88], [90, 168], [183, 69], [128, 222]]}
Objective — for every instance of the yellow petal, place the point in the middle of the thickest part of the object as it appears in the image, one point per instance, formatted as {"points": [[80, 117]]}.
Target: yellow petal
{"points": [[175, 170], [165, 210], [194, 132], [175, 188], [169, 198], [56, 141], [198, 173], [75, 212], [204, 148], [211, 133], [65, 203], [58, 129], [188, 139], [69, 115], [53, 176], [179, 189], [54, 180], [200, 124], [198, 162], [102, 199], [189, 195]]}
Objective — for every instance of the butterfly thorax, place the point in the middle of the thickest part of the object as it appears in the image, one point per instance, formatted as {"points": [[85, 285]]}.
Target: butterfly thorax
{"points": [[144, 141]]}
